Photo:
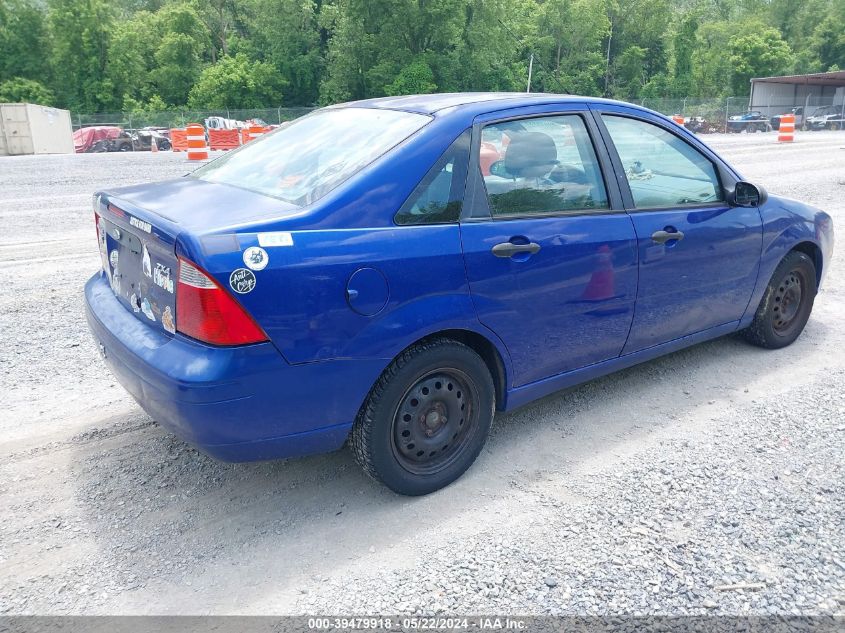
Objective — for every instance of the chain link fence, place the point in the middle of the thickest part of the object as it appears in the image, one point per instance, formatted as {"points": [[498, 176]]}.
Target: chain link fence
{"points": [[714, 111], [181, 118]]}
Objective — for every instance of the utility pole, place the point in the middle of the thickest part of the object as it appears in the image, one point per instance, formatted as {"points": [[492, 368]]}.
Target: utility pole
{"points": [[530, 68]]}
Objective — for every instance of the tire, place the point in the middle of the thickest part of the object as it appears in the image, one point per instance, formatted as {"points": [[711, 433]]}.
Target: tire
{"points": [[786, 305], [426, 419]]}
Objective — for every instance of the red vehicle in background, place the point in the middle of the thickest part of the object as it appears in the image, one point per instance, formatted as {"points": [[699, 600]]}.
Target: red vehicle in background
{"points": [[94, 139]]}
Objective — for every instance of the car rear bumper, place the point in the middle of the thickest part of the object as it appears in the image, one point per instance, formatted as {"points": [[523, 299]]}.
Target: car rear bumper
{"points": [[235, 403]]}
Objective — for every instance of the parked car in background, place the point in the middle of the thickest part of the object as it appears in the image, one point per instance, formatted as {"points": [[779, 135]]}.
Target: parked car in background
{"points": [[222, 123], [699, 125], [753, 121], [826, 118], [95, 138], [797, 112], [358, 275], [142, 140]]}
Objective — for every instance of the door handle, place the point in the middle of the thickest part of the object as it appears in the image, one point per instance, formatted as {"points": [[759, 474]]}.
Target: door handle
{"points": [[509, 249], [661, 237]]}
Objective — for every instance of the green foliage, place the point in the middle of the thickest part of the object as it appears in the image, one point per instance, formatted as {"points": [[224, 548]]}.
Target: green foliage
{"points": [[23, 40], [20, 90], [80, 42], [760, 54], [237, 82], [182, 42], [415, 78], [101, 55], [134, 106]]}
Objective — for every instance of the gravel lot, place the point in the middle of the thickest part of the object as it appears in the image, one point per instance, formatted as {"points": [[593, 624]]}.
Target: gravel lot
{"points": [[708, 481]]}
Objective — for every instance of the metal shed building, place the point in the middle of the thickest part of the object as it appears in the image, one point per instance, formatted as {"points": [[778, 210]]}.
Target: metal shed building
{"points": [[26, 128], [776, 95]]}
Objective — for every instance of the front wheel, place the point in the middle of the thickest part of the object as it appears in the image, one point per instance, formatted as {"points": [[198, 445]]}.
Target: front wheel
{"points": [[786, 304], [426, 419]]}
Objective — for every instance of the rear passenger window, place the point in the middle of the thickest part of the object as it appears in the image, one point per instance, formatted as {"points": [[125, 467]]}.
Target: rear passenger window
{"points": [[437, 199], [542, 165], [662, 169]]}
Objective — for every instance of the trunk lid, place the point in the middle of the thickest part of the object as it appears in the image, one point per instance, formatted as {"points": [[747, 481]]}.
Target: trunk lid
{"points": [[139, 227], [139, 259], [199, 206]]}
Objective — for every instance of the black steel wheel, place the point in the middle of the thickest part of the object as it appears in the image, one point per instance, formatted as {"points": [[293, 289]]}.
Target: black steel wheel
{"points": [[786, 304], [435, 420], [426, 419]]}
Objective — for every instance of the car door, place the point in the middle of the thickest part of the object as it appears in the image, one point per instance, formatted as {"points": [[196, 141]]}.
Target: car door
{"points": [[550, 253], [698, 256]]}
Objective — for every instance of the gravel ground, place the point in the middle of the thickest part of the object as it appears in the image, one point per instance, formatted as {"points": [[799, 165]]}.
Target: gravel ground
{"points": [[708, 481]]}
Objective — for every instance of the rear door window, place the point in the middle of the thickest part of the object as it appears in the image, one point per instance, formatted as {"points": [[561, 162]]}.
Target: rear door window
{"points": [[541, 166], [437, 198]]}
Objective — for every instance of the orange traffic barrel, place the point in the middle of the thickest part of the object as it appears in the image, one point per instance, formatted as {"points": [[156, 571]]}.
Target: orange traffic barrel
{"points": [[178, 140], [677, 118], [197, 147], [786, 132]]}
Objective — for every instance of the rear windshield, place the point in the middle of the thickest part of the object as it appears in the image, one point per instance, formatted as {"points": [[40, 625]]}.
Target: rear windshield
{"points": [[305, 159]]}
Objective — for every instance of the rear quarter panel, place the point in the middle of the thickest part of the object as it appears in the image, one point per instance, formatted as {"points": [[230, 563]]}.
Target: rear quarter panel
{"points": [[301, 298]]}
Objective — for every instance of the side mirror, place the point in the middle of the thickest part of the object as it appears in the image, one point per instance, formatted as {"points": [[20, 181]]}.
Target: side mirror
{"points": [[747, 195]]}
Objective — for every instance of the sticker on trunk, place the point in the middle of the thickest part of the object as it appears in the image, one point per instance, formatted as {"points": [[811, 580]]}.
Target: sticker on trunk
{"points": [[167, 320], [256, 258], [242, 280], [114, 258], [277, 238], [145, 262], [162, 277], [147, 309], [135, 303]]}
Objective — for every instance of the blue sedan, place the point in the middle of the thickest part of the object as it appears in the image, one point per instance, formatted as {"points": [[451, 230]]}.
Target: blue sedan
{"points": [[391, 272]]}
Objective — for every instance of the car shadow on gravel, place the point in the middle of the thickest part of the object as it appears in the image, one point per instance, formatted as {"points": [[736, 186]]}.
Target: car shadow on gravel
{"points": [[158, 508]]}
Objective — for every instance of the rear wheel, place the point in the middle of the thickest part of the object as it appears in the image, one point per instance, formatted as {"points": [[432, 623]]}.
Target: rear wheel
{"points": [[426, 419], [786, 304]]}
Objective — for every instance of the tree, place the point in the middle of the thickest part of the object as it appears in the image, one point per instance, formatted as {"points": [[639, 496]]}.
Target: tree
{"points": [[130, 58], [237, 82], [570, 34], [288, 36], [683, 48], [415, 78], [80, 35], [757, 54], [183, 45], [20, 90], [828, 39], [23, 41]]}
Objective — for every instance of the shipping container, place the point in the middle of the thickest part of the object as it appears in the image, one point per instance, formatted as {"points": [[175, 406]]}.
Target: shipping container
{"points": [[26, 128]]}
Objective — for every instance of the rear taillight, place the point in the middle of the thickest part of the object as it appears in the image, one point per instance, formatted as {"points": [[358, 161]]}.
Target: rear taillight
{"points": [[208, 313]]}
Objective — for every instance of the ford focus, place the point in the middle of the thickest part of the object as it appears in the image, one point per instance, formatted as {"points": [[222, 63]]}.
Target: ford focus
{"points": [[391, 272]]}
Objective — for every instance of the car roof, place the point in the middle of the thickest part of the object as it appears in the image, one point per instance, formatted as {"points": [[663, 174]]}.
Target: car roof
{"points": [[432, 103]]}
